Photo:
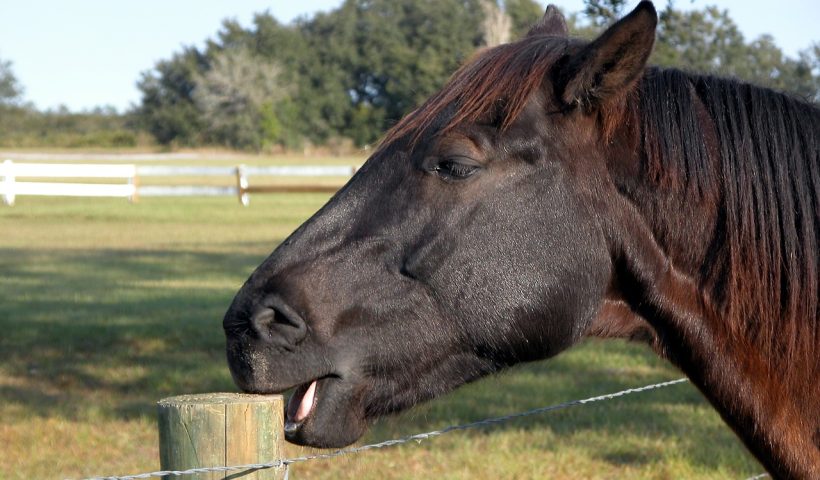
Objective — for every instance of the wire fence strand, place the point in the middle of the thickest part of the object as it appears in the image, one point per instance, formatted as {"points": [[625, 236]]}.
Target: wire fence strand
{"points": [[398, 441]]}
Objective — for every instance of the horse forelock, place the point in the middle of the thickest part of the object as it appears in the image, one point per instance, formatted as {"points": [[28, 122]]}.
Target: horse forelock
{"points": [[494, 85]]}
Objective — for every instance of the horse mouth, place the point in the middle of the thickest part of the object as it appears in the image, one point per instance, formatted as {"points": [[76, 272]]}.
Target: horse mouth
{"points": [[305, 404], [325, 413], [301, 405]]}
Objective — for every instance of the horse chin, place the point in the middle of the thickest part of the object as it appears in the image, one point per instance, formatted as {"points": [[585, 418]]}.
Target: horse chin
{"points": [[324, 410], [324, 413]]}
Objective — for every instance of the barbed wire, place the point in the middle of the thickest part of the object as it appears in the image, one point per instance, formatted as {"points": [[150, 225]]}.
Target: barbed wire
{"points": [[398, 441]]}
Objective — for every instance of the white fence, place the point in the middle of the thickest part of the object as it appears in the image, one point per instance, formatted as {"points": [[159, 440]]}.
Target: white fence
{"points": [[129, 180]]}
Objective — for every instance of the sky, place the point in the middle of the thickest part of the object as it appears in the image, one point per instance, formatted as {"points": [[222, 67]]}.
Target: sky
{"points": [[88, 53]]}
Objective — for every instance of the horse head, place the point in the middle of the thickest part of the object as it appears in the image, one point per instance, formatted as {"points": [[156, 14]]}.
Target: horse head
{"points": [[556, 189], [469, 242]]}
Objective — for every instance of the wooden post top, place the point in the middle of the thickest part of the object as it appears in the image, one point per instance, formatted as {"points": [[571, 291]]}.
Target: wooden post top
{"points": [[218, 399]]}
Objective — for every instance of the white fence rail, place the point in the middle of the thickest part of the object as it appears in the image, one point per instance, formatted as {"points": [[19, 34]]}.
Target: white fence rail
{"points": [[129, 176]]}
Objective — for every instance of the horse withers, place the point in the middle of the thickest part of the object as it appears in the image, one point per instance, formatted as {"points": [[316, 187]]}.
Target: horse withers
{"points": [[557, 189]]}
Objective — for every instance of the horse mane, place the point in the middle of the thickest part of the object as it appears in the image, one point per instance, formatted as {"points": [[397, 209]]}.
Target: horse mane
{"points": [[763, 262]]}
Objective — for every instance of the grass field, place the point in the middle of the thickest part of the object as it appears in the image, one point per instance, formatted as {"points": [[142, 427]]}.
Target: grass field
{"points": [[105, 307]]}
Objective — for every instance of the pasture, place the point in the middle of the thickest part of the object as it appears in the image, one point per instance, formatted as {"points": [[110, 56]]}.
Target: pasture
{"points": [[105, 307]]}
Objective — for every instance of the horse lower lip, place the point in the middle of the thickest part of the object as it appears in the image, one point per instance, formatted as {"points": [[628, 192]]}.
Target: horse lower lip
{"points": [[292, 427]]}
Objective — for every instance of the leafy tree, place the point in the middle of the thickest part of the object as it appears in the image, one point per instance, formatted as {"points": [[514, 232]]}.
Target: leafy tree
{"points": [[21, 125], [172, 114], [602, 13], [767, 65], [237, 97], [168, 110], [810, 61], [702, 40], [353, 72], [523, 15], [10, 89], [286, 47], [377, 59], [709, 41]]}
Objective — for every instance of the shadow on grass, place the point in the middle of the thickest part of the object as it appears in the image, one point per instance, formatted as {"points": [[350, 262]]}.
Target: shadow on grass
{"points": [[106, 333], [110, 331]]}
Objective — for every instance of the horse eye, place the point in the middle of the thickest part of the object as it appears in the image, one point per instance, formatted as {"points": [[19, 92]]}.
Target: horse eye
{"points": [[455, 169]]}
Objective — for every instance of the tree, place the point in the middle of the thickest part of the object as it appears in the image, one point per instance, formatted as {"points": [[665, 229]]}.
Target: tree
{"points": [[171, 113], [353, 72], [602, 13], [709, 41], [810, 64], [168, 110], [523, 15], [10, 89], [238, 96], [378, 59]]}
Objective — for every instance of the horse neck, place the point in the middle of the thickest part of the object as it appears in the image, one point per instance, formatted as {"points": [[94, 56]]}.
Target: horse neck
{"points": [[683, 307]]}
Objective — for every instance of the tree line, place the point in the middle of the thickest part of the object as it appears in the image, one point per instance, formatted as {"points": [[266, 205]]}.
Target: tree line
{"points": [[347, 75], [21, 125]]}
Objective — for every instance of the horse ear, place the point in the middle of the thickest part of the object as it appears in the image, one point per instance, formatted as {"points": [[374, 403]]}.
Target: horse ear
{"points": [[611, 63], [552, 23]]}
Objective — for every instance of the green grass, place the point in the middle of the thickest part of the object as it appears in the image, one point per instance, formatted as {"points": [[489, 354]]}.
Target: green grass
{"points": [[105, 307]]}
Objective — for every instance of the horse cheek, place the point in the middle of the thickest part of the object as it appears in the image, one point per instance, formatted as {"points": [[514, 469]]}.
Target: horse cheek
{"points": [[578, 269]]}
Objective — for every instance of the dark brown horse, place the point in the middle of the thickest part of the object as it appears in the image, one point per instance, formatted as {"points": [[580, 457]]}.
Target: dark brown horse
{"points": [[554, 190]]}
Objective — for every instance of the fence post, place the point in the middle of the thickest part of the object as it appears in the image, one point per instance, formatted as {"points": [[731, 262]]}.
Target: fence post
{"points": [[135, 182], [8, 183], [242, 185], [221, 429]]}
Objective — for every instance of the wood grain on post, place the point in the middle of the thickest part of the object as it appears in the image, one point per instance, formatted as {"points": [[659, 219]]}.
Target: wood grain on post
{"points": [[221, 429]]}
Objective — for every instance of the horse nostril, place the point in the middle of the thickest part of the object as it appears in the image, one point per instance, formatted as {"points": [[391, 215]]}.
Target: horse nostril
{"points": [[277, 322]]}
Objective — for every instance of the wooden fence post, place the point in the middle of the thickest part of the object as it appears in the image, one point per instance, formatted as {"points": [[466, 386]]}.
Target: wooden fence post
{"points": [[242, 185], [134, 181], [8, 183], [221, 429]]}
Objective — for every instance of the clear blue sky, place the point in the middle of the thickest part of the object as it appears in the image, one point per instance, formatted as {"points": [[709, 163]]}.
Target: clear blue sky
{"points": [[85, 53]]}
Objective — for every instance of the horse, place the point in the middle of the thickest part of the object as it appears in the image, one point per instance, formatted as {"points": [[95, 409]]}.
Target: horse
{"points": [[554, 190]]}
